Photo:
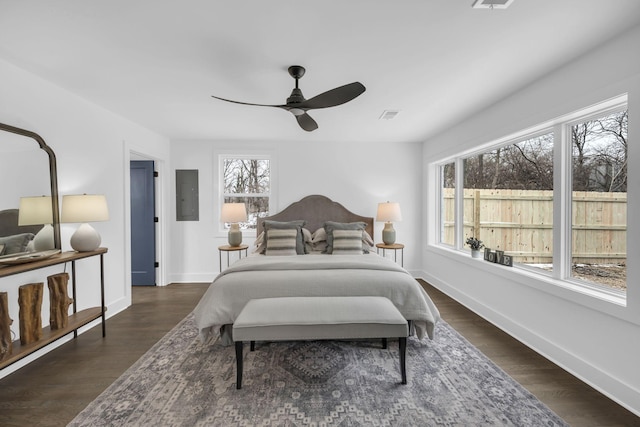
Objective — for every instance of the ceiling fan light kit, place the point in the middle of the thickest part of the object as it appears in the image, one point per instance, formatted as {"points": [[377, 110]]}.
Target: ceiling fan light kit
{"points": [[298, 105]]}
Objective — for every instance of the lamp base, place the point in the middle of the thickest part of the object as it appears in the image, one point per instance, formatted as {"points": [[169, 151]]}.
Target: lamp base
{"points": [[85, 239], [235, 235], [388, 234], [43, 241]]}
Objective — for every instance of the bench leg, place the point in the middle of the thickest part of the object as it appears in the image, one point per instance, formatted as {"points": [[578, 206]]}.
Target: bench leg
{"points": [[403, 358], [384, 343], [238, 365], [252, 346]]}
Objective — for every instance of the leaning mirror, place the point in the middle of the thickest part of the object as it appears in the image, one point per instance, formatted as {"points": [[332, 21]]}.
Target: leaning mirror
{"points": [[29, 216]]}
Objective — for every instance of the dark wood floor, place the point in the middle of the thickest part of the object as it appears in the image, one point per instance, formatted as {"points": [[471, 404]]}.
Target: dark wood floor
{"points": [[53, 389]]}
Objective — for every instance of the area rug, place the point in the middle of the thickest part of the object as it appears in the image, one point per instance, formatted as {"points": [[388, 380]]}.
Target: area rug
{"points": [[181, 382]]}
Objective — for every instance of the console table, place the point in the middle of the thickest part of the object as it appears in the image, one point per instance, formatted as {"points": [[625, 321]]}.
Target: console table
{"points": [[76, 320]]}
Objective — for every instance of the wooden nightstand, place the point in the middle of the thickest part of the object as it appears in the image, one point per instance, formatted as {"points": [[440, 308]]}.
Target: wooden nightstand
{"points": [[395, 247], [228, 249]]}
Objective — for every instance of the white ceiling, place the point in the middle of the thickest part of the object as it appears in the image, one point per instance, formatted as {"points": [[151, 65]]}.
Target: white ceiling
{"points": [[157, 62]]}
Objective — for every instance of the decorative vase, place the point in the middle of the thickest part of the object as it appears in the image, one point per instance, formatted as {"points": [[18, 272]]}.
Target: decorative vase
{"points": [[85, 239], [388, 234], [475, 253], [235, 235], [43, 241]]}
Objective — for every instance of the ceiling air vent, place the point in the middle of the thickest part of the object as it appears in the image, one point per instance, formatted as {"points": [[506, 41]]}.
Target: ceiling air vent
{"points": [[492, 4], [389, 114]]}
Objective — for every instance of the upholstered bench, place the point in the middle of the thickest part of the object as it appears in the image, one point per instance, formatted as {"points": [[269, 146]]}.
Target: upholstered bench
{"points": [[319, 318]]}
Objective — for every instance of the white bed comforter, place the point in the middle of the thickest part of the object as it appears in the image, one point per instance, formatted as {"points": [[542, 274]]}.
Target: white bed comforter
{"points": [[331, 275]]}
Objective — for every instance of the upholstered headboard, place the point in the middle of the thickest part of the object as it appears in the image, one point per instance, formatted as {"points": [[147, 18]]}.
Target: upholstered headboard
{"points": [[315, 210], [9, 224]]}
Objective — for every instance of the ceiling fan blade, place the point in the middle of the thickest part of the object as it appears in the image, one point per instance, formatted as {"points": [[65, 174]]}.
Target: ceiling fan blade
{"points": [[306, 122], [248, 103], [334, 97]]}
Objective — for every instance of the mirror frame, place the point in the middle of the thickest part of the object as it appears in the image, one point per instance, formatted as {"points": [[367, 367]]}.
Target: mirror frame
{"points": [[53, 176]]}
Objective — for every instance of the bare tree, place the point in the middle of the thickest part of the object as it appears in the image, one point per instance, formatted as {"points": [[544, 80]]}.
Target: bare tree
{"points": [[600, 154], [248, 180], [527, 165]]}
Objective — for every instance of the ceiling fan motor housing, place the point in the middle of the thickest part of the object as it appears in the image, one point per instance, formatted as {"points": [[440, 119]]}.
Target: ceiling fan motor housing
{"points": [[296, 97]]}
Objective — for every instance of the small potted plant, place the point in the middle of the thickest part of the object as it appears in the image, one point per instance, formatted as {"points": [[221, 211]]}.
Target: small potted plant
{"points": [[475, 246]]}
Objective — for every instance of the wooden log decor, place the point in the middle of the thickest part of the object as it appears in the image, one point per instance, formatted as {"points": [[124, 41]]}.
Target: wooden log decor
{"points": [[30, 302], [6, 345], [59, 300]]}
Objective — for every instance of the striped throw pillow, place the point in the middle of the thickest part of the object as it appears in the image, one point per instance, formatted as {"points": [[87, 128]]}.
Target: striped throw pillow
{"points": [[347, 242], [281, 242]]}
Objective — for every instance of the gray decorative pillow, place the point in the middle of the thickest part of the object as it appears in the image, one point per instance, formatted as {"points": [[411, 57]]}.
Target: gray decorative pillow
{"points": [[288, 225], [347, 242], [281, 242], [16, 243], [319, 241], [330, 226]]}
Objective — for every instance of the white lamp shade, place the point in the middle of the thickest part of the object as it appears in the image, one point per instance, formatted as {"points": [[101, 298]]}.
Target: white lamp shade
{"points": [[233, 212], [35, 210], [84, 208], [389, 212]]}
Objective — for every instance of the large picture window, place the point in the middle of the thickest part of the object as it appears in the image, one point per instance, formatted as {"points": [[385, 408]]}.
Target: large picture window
{"points": [[509, 193], [247, 180], [508, 200], [447, 203], [599, 200]]}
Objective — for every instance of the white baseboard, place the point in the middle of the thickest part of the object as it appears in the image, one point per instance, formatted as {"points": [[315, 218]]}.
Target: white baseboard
{"points": [[192, 277], [614, 388]]}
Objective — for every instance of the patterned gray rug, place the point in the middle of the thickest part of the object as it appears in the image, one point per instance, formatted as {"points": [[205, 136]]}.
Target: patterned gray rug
{"points": [[180, 382]]}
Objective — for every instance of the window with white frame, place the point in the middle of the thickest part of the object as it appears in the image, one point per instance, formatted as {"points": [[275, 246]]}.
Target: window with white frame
{"points": [[507, 197], [447, 203], [247, 179], [599, 199]]}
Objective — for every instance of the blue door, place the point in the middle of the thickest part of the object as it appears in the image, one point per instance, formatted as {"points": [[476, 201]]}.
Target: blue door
{"points": [[143, 226]]}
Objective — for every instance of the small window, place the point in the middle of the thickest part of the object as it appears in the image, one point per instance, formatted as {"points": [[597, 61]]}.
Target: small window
{"points": [[247, 180]]}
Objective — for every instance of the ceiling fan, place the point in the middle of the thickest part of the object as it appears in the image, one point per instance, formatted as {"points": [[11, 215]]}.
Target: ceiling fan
{"points": [[298, 105]]}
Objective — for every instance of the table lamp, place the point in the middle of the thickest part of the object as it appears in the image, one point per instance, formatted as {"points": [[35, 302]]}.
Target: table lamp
{"points": [[37, 211], [233, 213], [84, 208], [389, 213]]}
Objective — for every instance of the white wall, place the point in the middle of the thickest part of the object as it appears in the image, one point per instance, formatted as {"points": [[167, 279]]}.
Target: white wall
{"points": [[358, 176], [595, 340], [92, 147]]}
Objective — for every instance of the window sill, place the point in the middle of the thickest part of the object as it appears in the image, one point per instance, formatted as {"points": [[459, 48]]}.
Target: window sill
{"points": [[603, 301]]}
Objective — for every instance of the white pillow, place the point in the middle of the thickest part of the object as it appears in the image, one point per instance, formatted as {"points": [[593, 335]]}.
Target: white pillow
{"points": [[320, 235], [259, 244], [281, 242], [308, 240], [367, 243], [347, 242]]}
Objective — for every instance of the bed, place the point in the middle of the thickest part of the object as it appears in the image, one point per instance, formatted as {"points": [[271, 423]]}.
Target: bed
{"points": [[14, 238], [332, 268]]}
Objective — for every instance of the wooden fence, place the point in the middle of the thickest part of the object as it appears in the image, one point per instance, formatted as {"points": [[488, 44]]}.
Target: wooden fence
{"points": [[520, 222]]}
